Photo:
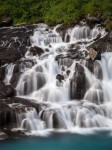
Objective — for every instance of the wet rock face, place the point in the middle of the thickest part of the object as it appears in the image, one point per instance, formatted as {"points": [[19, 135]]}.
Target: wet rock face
{"points": [[2, 73], [78, 83], [14, 80], [7, 118], [14, 43], [103, 44], [9, 56], [6, 90]]}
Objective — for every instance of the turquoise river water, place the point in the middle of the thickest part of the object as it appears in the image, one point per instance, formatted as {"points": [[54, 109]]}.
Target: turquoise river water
{"points": [[62, 141]]}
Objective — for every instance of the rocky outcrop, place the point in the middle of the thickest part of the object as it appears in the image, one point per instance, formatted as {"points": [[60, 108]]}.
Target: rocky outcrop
{"points": [[103, 44], [14, 43], [78, 83], [9, 56]]}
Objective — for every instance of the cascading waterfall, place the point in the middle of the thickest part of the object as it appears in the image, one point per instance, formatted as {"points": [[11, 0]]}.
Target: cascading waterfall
{"points": [[48, 81], [29, 120], [9, 73]]}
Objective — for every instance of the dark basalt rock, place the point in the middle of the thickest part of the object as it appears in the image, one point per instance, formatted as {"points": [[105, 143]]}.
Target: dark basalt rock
{"points": [[103, 44], [13, 134], [11, 107], [7, 118], [9, 56], [7, 115], [6, 90], [60, 77], [14, 43], [68, 72], [92, 21], [78, 83], [36, 50], [9, 91], [6, 22], [27, 103], [55, 121], [23, 49], [2, 73], [67, 39], [14, 79]]}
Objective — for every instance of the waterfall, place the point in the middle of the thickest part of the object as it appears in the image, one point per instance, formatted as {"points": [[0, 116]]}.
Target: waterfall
{"points": [[29, 120], [8, 73], [48, 81]]}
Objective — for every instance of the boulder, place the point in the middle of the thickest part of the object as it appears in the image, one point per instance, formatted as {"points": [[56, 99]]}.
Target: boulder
{"points": [[68, 72], [92, 54], [36, 50], [60, 77]]}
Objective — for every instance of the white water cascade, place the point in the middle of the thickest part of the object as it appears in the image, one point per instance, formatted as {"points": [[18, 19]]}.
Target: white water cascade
{"points": [[42, 83]]}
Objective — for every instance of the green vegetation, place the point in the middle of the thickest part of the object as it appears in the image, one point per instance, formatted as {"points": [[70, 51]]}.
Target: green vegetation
{"points": [[55, 11]]}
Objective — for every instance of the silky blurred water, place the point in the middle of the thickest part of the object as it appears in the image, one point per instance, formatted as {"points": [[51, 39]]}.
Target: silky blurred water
{"points": [[63, 141]]}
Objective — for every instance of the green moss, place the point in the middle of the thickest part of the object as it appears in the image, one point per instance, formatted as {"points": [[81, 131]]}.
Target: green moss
{"points": [[108, 24], [54, 11]]}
